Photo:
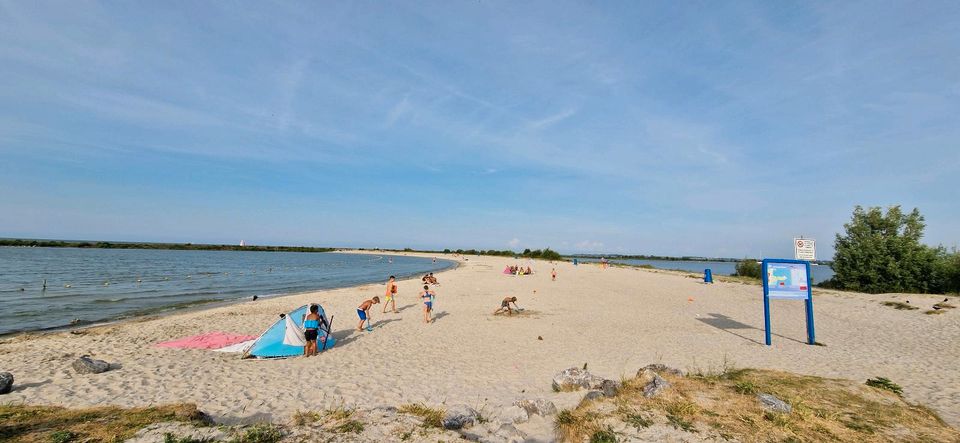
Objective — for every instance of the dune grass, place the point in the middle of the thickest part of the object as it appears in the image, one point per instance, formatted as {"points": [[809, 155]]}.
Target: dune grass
{"points": [[724, 405], [432, 417], [29, 424], [900, 306]]}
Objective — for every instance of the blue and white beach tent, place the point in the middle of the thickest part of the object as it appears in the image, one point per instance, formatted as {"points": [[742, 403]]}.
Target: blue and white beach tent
{"points": [[285, 337]]}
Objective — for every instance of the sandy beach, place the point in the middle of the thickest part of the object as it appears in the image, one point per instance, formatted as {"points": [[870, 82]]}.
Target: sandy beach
{"points": [[615, 320]]}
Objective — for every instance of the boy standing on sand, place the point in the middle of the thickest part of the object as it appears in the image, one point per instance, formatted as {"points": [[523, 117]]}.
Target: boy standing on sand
{"points": [[390, 296], [505, 304], [363, 311], [427, 298]]}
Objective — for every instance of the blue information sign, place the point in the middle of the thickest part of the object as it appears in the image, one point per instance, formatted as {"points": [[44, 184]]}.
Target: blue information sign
{"points": [[787, 279]]}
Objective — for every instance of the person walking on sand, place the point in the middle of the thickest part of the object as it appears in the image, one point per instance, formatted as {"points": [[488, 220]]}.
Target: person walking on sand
{"points": [[363, 311], [553, 274], [427, 298], [505, 305], [311, 327], [390, 295]]}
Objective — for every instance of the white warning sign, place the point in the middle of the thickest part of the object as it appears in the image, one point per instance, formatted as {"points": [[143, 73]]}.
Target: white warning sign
{"points": [[805, 249]]}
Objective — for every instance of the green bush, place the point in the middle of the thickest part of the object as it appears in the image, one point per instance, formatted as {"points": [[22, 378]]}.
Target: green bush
{"points": [[749, 268], [881, 252]]}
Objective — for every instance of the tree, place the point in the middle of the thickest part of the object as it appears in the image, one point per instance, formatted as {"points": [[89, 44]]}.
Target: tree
{"points": [[882, 253]]}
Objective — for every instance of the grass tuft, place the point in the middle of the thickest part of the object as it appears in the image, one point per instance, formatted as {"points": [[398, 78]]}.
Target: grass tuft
{"points": [[886, 384], [20, 423], [900, 306], [260, 433], [432, 417]]}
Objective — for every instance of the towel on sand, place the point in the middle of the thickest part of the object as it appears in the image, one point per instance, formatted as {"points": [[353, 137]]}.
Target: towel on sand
{"points": [[210, 340]]}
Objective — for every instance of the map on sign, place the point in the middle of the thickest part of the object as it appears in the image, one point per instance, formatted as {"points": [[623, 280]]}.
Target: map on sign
{"points": [[787, 280]]}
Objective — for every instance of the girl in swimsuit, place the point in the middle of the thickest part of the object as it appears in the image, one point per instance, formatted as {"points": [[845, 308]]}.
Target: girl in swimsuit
{"points": [[311, 326], [427, 297]]}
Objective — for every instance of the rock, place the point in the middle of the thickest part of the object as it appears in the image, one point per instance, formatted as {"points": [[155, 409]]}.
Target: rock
{"points": [[773, 404], [459, 417], [660, 369], [6, 382], [610, 388], [87, 365], [592, 395], [539, 406], [510, 433], [514, 414], [656, 385], [158, 432], [572, 379]]}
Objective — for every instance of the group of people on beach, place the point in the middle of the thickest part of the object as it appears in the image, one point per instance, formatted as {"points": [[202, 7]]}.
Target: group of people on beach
{"points": [[430, 279], [427, 297], [519, 270]]}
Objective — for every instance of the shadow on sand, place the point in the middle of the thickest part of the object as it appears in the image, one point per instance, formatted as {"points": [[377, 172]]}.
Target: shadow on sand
{"points": [[729, 325]]}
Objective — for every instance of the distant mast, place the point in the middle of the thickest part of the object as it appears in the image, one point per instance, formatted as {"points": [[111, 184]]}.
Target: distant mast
{"points": [[242, 243]]}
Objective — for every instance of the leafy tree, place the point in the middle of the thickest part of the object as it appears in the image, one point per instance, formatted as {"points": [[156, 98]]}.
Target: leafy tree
{"points": [[881, 252]]}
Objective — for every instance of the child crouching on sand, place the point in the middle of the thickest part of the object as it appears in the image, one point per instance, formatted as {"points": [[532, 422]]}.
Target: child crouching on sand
{"points": [[427, 298], [505, 305], [363, 311]]}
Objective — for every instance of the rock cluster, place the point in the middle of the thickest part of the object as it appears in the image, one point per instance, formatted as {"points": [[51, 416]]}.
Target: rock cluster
{"points": [[572, 379]]}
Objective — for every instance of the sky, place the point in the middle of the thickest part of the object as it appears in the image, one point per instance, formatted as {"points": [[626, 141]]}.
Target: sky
{"points": [[669, 128]]}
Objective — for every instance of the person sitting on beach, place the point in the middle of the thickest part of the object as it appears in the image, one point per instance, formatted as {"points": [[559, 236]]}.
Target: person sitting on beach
{"points": [[427, 298], [432, 279], [363, 311], [390, 296], [505, 305], [311, 327], [529, 271]]}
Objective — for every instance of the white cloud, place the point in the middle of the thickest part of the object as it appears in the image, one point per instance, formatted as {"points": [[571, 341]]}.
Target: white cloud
{"points": [[514, 243]]}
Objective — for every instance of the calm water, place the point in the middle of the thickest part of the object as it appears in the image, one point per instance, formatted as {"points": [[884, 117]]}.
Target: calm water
{"points": [[95, 285], [820, 273]]}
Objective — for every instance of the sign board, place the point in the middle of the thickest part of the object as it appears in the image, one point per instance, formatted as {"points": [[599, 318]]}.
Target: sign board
{"points": [[805, 249], [787, 279]]}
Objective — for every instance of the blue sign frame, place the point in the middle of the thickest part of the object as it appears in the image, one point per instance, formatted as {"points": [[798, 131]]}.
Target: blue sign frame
{"points": [[811, 339]]}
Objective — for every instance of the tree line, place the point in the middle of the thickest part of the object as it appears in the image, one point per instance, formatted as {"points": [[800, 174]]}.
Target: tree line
{"points": [[171, 246]]}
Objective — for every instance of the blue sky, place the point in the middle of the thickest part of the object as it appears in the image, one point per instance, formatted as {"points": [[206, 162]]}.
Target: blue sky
{"points": [[660, 128]]}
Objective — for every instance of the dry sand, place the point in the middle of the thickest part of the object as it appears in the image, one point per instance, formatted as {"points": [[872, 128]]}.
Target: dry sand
{"points": [[616, 320]]}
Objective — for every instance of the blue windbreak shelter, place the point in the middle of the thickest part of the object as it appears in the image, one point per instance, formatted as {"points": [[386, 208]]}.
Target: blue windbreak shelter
{"points": [[270, 343]]}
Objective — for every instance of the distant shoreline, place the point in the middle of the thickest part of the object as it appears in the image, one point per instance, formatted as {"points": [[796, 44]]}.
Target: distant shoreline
{"points": [[30, 243]]}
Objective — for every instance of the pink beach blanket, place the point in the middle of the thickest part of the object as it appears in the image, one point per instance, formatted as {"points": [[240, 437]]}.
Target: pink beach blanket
{"points": [[210, 340]]}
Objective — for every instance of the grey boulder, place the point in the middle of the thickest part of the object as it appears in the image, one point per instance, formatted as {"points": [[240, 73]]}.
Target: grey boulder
{"points": [[610, 388], [773, 404], [572, 379], [539, 406], [655, 385], [660, 368], [6, 382], [514, 414], [459, 417], [87, 365]]}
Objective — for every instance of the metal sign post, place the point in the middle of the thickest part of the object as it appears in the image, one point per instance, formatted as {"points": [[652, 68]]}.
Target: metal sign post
{"points": [[787, 279]]}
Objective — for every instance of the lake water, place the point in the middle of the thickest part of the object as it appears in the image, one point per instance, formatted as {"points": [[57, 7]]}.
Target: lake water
{"points": [[819, 272], [96, 285]]}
